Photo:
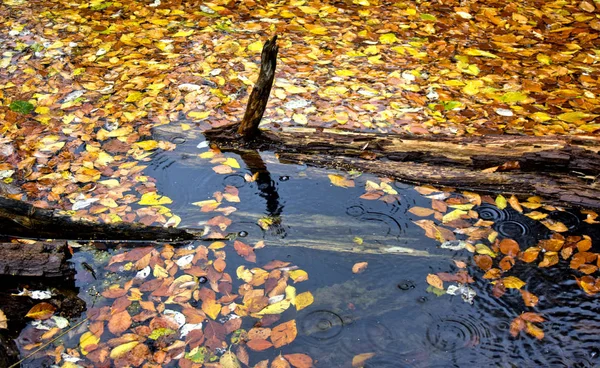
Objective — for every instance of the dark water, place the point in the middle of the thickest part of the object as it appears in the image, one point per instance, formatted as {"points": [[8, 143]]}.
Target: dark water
{"points": [[386, 310]]}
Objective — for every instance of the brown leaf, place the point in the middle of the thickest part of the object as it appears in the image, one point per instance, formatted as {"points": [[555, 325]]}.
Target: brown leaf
{"points": [[259, 344], [484, 261], [506, 263], [41, 310], [550, 259], [509, 247], [299, 360], [359, 267], [3, 320], [284, 333], [119, 322], [242, 353], [245, 251]]}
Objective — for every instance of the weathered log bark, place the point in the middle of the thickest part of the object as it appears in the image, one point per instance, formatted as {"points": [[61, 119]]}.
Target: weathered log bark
{"points": [[21, 219], [564, 170], [40, 259], [260, 93]]}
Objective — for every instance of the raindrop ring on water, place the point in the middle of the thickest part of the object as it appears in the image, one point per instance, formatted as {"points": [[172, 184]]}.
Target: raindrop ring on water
{"points": [[453, 334], [322, 325]]}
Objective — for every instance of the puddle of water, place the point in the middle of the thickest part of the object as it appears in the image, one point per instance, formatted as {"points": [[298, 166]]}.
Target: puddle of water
{"points": [[385, 311]]}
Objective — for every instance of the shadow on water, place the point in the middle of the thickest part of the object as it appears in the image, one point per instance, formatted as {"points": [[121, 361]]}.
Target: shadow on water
{"points": [[386, 312]]}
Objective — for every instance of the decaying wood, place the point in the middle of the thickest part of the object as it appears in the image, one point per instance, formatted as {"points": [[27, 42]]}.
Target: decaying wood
{"points": [[260, 93], [39, 259], [21, 219]]}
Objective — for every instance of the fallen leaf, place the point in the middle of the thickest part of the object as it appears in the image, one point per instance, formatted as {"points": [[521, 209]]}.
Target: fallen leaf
{"points": [[119, 322], [359, 267], [359, 360], [284, 333], [340, 181], [435, 281], [41, 310], [299, 360]]}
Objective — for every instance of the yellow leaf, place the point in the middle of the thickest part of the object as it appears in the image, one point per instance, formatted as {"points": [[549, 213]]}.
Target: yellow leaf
{"points": [[484, 249], [512, 282], [544, 59], [86, 340], [340, 181], [454, 215], [298, 275], [183, 33], [147, 145], [134, 96], [536, 215], [315, 29], [572, 117], [358, 361], [153, 199], [303, 300], [501, 202], [276, 308], [472, 87], [309, 9], [159, 272], [476, 52], [372, 50], [555, 225], [211, 308], [344, 73], [388, 38], [232, 162], [300, 119], [540, 117], [121, 350], [513, 96], [185, 127], [198, 115], [255, 46]]}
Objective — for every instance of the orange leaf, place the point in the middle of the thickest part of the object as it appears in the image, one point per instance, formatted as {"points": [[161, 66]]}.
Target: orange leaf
{"points": [[119, 322], [530, 255], [284, 333], [530, 299], [532, 317], [245, 251], [280, 362], [484, 261], [359, 267], [219, 265], [507, 263], [514, 203], [509, 247], [516, 326], [435, 281], [360, 359], [421, 211], [550, 259], [299, 360], [41, 310], [259, 344]]}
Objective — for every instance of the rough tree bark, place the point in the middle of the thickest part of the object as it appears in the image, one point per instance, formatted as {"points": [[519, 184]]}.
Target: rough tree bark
{"points": [[564, 169]]}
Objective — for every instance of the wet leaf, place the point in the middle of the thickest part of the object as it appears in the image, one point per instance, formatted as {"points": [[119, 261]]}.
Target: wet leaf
{"points": [[276, 308], [298, 275], [41, 311], [359, 360], [509, 247], [550, 259], [359, 267], [501, 202], [259, 344], [512, 282], [154, 199], [529, 299], [88, 339], [245, 251], [340, 181], [229, 360], [119, 322], [435, 281], [534, 331], [299, 360], [123, 349], [484, 262], [555, 225], [421, 211], [22, 107], [517, 325], [530, 254], [284, 333], [3, 320], [303, 300]]}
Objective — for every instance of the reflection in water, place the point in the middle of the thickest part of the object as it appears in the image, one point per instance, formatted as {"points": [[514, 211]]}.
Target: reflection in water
{"points": [[513, 225]]}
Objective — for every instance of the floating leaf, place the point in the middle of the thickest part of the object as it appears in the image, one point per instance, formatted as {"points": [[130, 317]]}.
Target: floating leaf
{"points": [[359, 360], [122, 350], [119, 322], [340, 181], [154, 199], [512, 282], [299, 360], [87, 339], [435, 281], [284, 333], [41, 310], [501, 202], [4, 320], [303, 300], [359, 267], [509, 247], [229, 360]]}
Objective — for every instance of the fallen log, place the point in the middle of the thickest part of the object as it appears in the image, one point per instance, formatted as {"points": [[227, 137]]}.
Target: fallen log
{"points": [[563, 169], [21, 219], [37, 259]]}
